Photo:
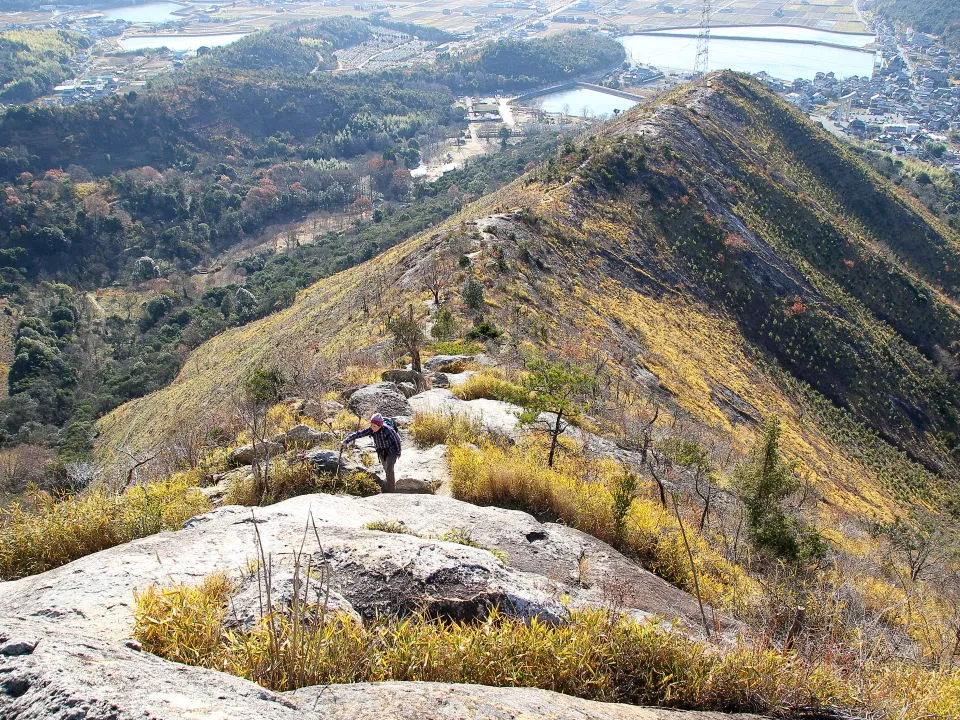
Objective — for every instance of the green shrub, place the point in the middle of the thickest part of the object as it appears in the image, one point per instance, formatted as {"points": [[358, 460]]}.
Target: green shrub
{"points": [[389, 526]]}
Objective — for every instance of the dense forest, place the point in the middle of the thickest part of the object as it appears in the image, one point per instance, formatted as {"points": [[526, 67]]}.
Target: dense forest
{"points": [[510, 65], [72, 364], [141, 189], [937, 17], [300, 48], [32, 62]]}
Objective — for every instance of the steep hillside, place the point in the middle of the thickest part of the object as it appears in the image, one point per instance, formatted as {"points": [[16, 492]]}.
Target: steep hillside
{"points": [[720, 252]]}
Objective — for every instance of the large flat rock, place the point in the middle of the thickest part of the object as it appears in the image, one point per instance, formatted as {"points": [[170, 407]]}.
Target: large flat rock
{"points": [[446, 701], [494, 415], [374, 571], [52, 675]]}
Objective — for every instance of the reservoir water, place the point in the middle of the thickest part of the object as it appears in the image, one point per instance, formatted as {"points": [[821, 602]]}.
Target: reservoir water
{"points": [[783, 60], [154, 13], [781, 32], [177, 43], [581, 102]]}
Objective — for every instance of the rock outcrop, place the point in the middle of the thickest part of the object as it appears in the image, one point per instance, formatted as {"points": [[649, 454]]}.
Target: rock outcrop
{"points": [[494, 415], [444, 363], [375, 571], [249, 454], [302, 436], [385, 398], [444, 701]]}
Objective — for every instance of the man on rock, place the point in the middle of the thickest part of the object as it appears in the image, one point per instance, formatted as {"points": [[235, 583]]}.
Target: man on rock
{"points": [[387, 442]]}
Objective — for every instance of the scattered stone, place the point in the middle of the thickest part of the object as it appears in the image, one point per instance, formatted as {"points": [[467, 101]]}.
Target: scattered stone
{"points": [[442, 362], [385, 398], [302, 436], [224, 481], [15, 648], [249, 454], [405, 376], [440, 380], [408, 389]]}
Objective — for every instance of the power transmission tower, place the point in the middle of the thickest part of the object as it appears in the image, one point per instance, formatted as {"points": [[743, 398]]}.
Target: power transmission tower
{"points": [[702, 64]]}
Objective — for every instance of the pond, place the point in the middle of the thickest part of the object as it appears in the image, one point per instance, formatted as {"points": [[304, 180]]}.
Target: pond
{"points": [[581, 102], [177, 43], [154, 13], [783, 60]]}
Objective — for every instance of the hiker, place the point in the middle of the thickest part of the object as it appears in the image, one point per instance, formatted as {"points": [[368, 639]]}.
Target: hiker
{"points": [[387, 442]]}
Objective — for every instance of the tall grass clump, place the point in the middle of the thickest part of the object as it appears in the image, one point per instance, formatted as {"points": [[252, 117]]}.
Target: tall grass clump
{"points": [[52, 531], [433, 428], [518, 476], [597, 655], [486, 384], [289, 480]]}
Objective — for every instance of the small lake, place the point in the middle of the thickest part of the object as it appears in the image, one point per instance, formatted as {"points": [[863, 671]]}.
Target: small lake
{"points": [[154, 13], [783, 60], [177, 43], [581, 102], [781, 32]]}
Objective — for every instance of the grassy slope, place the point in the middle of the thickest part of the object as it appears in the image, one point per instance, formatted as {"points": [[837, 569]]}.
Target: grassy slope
{"points": [[624, 269]]}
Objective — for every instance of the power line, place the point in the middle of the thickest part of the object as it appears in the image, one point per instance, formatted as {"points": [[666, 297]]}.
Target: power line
{"points": [[702, 64]]}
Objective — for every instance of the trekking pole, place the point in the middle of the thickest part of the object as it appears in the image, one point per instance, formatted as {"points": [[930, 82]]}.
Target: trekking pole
{"points": [[336, 476]]}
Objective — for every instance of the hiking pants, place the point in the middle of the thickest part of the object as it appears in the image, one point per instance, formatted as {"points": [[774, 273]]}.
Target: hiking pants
{"points": [[388, 462]]}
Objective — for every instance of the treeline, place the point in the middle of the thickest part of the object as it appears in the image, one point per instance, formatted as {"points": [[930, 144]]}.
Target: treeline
{"points": [[72, 366], [32, 62], [936, 17], [430, 34]]}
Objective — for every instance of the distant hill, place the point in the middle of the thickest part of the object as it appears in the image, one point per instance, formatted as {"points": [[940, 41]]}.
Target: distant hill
{"points": [[937, 17], [715, 244]]}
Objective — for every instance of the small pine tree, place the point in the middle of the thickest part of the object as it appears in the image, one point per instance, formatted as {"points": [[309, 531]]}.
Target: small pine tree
{"points": [[472, 294], [555, 387], [764, 481], [444, 324], [408, 336]]}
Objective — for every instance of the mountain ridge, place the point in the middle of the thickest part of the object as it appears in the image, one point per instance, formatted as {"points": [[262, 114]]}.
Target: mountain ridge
{"points": [[652, 235]]}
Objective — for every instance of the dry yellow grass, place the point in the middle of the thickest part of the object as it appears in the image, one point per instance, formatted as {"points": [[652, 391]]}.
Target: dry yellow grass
{"points": [[54, 531], [492, 475], [596, 655]]}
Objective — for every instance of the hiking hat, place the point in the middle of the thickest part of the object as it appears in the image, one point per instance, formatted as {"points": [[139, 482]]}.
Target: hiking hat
{"points": [[377, 420]]}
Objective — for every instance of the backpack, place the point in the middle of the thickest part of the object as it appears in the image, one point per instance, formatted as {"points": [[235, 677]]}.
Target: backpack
{"points": [[391, 423]]}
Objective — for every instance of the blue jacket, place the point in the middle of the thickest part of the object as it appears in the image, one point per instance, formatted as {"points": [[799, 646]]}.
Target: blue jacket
{"points": [[386, 440]]}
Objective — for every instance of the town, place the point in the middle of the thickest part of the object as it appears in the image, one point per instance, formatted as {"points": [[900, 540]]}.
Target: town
{"points": [[908, 108]]}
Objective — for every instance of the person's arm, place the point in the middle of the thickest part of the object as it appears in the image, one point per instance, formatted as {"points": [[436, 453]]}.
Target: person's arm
{"points": [[353, 437]]}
